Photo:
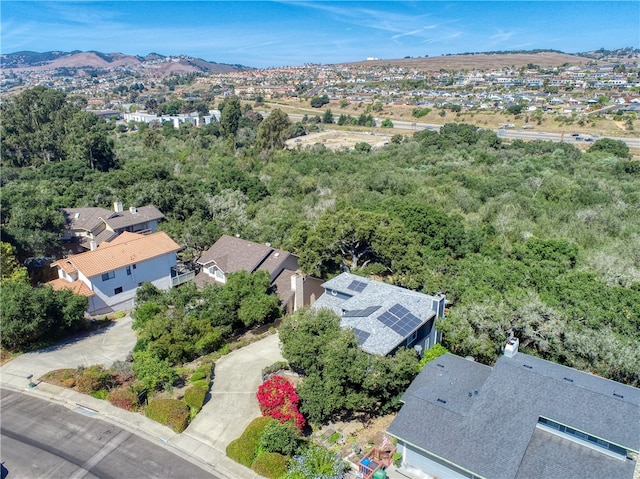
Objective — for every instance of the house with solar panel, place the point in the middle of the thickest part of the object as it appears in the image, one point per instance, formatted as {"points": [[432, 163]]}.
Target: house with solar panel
{"points": [[383, 317]]}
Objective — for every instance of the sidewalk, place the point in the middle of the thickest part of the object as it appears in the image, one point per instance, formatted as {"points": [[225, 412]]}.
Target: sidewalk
{"points": [[222, 419]]}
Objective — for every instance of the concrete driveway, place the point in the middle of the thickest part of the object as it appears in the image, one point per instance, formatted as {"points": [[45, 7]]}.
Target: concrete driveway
{"points": [[233, 403], [104, 346]]}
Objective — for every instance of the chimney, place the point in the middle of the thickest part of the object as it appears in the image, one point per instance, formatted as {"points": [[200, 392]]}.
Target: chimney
{"points": [[117, 206], [133, 209], [438, 303], [511, 348], [297, 286], [93, 245]]}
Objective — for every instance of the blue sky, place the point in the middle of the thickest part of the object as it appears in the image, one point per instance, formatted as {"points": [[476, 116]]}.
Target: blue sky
{"points": [[278, 33]]}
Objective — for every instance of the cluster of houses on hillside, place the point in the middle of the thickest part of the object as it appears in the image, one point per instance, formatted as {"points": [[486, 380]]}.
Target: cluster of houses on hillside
{"points": [[522, 418]]}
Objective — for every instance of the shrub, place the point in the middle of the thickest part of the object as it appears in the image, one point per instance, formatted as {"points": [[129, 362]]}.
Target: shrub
{"points": [[203, 372], [430, 354], [69, 382], [270, 464], [170, 412], [100, 394], [124, 399], [197, 376], [93, 379], [278, 399], [275, 367], [195, 396], [316, 462], [202, 383], [243, 450], [281, 438]]}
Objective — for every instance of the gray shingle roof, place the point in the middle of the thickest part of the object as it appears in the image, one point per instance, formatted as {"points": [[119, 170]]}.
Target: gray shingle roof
{"points": [[493, 433], [89, 218], [233, 254], [382, 339], [84, 218], [127, 218]]}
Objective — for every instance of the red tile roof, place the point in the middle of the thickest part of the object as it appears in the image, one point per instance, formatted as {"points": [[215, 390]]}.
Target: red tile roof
{"points": [[77, 287], [126, 249]]}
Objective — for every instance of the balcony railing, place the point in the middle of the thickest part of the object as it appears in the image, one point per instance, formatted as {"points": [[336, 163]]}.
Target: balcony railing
{"points": [[180, 278]]}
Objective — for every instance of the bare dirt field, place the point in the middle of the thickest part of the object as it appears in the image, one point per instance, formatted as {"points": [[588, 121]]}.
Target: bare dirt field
{"points": [[480, 61], [340, 140]]}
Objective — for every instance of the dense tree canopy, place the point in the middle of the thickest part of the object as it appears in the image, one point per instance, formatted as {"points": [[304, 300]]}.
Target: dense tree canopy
{"points": [[340, 378], [42, 125], [534, 237]]}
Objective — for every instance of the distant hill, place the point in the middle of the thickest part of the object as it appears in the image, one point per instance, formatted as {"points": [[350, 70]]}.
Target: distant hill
{"points": [[482, 61], [98, 60]]}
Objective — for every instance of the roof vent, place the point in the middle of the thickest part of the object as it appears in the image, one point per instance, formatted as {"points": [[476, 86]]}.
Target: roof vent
{"points": [[527, 366], [511, 348], [440, 365], [133, 209], [441, 400], [568, 379], [618, 395]]}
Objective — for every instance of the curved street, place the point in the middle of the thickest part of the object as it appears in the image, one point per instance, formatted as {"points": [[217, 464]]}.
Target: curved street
{"points": [[232, 405], [44, 440]]}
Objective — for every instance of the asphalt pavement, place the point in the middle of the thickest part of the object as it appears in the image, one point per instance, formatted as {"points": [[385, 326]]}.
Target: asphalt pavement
{"points": [[231, 407], [44, 440]]}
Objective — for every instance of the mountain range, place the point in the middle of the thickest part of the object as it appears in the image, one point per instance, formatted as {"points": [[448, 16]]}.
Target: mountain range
{"points": [[97, 60]]}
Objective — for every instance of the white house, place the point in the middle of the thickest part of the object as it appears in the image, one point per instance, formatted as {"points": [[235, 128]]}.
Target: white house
{"points": [[110, 275]]}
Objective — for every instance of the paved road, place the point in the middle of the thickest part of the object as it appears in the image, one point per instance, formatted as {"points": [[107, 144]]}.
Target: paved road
{"points": [[44, 440], [511, 134]]}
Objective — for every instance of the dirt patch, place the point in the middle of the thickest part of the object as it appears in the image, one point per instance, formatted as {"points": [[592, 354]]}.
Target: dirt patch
{"points": [[340, 140], [351, 440], [481, 61]]}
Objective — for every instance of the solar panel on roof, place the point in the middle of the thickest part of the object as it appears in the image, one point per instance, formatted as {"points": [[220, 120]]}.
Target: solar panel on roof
{"points": [[387, 318], [362, 336], [361, 313], [411, 321], [357, 286]]}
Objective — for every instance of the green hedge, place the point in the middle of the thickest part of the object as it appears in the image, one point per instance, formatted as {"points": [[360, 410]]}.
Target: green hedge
{"points": [[195, 396], [243, 450], [270, 464], [203, 372], [170, 412]]}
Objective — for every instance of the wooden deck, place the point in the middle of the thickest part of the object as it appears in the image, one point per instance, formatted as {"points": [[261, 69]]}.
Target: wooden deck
{"points": [[375, 459]]}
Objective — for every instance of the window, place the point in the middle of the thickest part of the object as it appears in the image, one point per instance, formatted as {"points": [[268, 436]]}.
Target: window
{"points": [[118, 290], [134, 266], [128, 270], [412, 338], [108, 276]]}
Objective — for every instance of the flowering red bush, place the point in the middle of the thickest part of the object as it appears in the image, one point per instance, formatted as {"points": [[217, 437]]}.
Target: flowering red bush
{"points": [[278, 399]]}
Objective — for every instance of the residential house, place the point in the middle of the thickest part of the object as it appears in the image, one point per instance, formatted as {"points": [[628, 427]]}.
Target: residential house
{"points": [[87, 228], [383, 317], [110, 275], [522, 418], [230, 254]]}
